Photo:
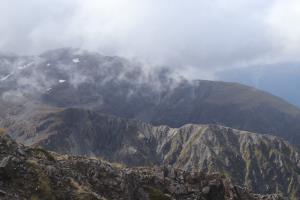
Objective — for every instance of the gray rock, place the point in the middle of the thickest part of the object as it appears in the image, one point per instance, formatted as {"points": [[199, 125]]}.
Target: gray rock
{"points": [[5, 161], [206, 190], [2, 192], [20, 152]]}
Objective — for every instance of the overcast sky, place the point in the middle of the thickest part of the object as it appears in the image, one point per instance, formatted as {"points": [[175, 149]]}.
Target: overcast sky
{"points": [[197, 36]]}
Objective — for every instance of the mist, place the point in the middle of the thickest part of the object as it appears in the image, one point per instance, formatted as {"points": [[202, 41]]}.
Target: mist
{"points": [[197, 38]]}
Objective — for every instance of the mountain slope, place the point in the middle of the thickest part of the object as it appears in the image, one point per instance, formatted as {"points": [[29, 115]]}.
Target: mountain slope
{"points": [[32, 173], [69, 78], [266, 164]]}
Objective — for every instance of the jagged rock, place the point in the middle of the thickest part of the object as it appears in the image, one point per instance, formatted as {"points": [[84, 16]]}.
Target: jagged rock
{"points": [[5, 161], [2, 193], [20, 152], [264, 163], [72, 177], [206, 190]]}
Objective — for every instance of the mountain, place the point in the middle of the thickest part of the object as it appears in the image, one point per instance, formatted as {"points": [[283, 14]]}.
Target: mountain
{"points": [[70, 78], [265, 164], [66, 100], [33, 173]]}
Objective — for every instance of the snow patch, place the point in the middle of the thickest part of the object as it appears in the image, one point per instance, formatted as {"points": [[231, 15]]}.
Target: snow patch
{"points": [[22, 67], [25, 66], [5, 77], [76, 60], [62, 81]]}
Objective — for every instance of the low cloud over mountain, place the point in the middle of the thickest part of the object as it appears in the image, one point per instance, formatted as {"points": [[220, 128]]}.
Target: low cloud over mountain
{"points": [[201, 36]]}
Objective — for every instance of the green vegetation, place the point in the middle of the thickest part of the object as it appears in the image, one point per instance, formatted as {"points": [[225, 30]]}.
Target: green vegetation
{"points": [[42, 185], [43, 154], [2, 131], [226, 175], [156, 194], [118, 165], [34, 197], [85, 196], [44, 188]]}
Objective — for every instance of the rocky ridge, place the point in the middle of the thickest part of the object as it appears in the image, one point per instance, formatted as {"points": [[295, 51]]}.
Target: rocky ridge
{"points": [[33, 173], [265, 164]]}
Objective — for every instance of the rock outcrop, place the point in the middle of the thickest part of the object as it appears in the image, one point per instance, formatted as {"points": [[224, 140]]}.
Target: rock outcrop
{"points": [[33, 173]]}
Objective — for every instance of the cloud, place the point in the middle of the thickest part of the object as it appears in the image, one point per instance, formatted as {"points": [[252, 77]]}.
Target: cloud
{"points": [[198, 37], [284, 18]]}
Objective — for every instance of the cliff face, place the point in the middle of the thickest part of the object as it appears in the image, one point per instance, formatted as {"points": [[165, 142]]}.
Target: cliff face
{"points": [[33, 173], [265, 164]]}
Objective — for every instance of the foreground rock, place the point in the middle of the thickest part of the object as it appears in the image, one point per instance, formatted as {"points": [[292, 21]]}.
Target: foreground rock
{"points": [[32, 173]]}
